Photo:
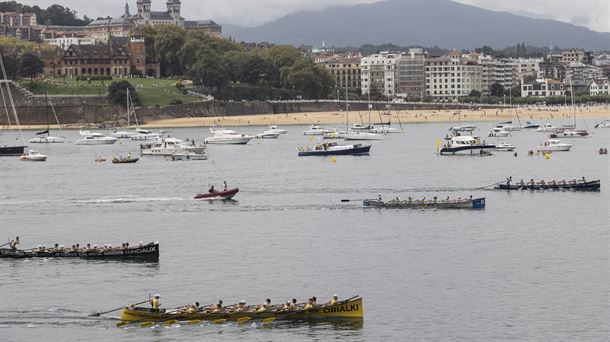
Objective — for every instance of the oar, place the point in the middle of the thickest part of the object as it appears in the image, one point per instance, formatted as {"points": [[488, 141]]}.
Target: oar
{"points": [[268, 320], [243, 319], [351, 200], [97, 314], [8, 243]]}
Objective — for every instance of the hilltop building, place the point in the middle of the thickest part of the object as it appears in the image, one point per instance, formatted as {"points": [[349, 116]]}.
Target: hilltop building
{"points": [[19, 25]]}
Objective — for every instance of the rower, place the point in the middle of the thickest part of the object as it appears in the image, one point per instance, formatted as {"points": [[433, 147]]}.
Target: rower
{"points": [[508, 180], [225, 185], [155, 303], [583, 180], [434, 200], [531, 182], [218, 306], [314, 301], [293, 304], [379, 196], [212, 190], [333, 300], [265, 306], [521, 183], [309, 304], [14, 243], [192, 308]]}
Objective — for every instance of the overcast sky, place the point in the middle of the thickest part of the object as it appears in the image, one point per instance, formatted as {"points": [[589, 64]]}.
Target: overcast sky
{"points": [[594, 14]]}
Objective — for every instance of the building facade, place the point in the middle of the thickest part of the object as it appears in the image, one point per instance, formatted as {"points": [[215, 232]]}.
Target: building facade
{"points": [[579, 76], [542, 88], [411, 74], [346, 71], [599, 87], [378, 72], [20, 25], [451, 77]]}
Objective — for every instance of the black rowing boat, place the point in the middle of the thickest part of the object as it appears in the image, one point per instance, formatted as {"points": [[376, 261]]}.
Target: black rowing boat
{"points": [[578, 186], [149, 252]]}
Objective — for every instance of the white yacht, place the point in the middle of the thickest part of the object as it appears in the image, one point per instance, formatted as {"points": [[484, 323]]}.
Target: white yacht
{"points": [[359, 135], [169, 147], [227, 138], [571, 133], [546, 128], [33, 155], [384, 129], [276, 129], [123, 134], [553, 145], [47, 139], [498, 132], [96, 139], [144, 134], [317, 130], [505, 146], [466, 145], [508, 126], [269, 134], [463, 128]]}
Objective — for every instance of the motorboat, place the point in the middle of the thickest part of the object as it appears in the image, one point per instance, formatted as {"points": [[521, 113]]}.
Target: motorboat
{"points": [[225, 194], [383, 129], [187, 156], [505, 146], [125, 160], [169, 147], [603, 124], [144, 134], [96, 139], [33, 155], [334, 149], [546, 128], [508, 126], [227, 138], [276, 129], [47, 139], [554, 145], [268, 135], [466, 145], [531, 125], [358, 127], [498, 132], [463, 128], [571, 133], [317, 130], [334, 135], [220, 130], [362, 135], [123, 134]]}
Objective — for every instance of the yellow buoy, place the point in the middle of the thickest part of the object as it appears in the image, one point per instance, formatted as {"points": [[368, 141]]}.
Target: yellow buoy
{"points": [[547, 156], [333, 159]]}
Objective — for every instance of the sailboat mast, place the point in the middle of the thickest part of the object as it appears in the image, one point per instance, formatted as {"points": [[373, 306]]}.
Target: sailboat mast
{"points": [[10, 97], [370, 109], [127, 107], [46, 104], [573, 108], [346, 110]]}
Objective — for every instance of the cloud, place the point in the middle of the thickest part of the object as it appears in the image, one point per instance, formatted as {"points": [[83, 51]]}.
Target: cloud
{"points": [[594, 14]]}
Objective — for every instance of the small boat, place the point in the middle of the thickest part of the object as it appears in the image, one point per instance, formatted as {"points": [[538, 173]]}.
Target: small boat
{"points": [[463, 128], [268, 135], [6, 151], [276, 129], [472, 203], [317, 130], [498, 132], [334, 149], [100, 160], [218, 195], [47, 140], [149, 252], [334, 135], [124, 160], [546, 128], [186, 156], [562, 185], [505, 146], [531, 125], [169, 147], [33, 155], [554, 145], [466, 145], [228, 137], [96, 139], [571, 133], [508, 126], [363, 135], [603, 124], [384, 129], [348, 309]]}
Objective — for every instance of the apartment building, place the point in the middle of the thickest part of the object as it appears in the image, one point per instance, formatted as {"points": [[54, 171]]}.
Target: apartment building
{"points": [[378, 71], [599, 87], [346, 71], [451, 77], [411, 74]]}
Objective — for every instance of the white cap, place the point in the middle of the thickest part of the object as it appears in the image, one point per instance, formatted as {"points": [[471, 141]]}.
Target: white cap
{"points": [[62, 246], [243, 302], [335, 295], [157, 295]]}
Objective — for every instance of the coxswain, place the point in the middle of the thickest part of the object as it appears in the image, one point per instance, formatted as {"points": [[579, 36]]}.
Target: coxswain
{"points": [[14, 243], [508, 180], [583, 180], [212, 190], [265, 306], [155, 303], [335, 298], [379, 196], [309, 304], [225, 185]]}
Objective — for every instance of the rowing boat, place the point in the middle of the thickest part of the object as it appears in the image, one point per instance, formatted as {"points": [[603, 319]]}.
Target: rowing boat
{"points": [[578, 186], [350, 309], [475, 203], [149, 252], [123, 160], [222, 195]]}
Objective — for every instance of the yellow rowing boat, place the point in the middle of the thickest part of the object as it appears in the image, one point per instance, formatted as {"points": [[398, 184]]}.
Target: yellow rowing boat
{"points": [[349, 309]]}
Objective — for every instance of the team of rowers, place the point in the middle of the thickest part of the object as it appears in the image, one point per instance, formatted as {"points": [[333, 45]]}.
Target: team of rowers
{"points": [[290, 305], [434, 200], [552, 182], [57, 248]]}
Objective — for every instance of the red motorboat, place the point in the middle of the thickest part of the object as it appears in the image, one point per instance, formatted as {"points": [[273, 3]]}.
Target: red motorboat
{"points": [[218, 195]]}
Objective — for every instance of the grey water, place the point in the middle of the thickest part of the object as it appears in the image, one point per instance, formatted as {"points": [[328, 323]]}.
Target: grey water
{"points": [[532, 266]]}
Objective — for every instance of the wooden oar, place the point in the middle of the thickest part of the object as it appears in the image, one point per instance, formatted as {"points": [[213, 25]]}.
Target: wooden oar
{"points": [[170, 322], [8, 243], [243, 319], [268, 320], [122, 323], [194, 321], [146, 324], [97, 314], [219, 321], [352, 200]]}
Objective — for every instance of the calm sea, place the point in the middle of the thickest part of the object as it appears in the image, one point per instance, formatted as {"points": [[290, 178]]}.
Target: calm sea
{"points": [[530, 267]]}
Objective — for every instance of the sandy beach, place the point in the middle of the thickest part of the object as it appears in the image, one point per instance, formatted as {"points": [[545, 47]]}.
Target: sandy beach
{"points": [[539, 115], [407, 116]]}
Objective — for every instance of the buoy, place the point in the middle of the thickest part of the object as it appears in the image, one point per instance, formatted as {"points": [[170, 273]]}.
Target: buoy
{"points": [[333, 159], [547, 156]]}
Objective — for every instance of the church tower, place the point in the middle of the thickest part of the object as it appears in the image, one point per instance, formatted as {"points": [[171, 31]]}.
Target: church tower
{"points": [[144, 10], [173, 8], [137, 51]]}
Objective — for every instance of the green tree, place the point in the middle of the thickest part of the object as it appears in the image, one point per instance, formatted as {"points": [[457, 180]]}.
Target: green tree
{"points": [[169, 40], [210, 71], [117, 93], [30, 65], [475, 93], [496, 89]]}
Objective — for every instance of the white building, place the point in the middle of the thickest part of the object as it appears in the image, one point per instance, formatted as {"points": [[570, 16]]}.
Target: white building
{"points": [[379, 71], [528, 67], [450, 77], [601, 60], [599, 87], [65, 42], [542, 88], [502, 71]]}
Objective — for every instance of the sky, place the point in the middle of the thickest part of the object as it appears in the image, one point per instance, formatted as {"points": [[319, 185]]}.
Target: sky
{"points": [[594, 14]]}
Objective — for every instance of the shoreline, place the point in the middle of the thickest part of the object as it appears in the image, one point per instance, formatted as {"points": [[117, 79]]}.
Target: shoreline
{"points": [[339, 118]]}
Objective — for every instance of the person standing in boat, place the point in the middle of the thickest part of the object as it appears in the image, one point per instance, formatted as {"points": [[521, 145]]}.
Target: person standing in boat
{"points": [[155, 303], [225, 185], [508, 180], [14, 244]]}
